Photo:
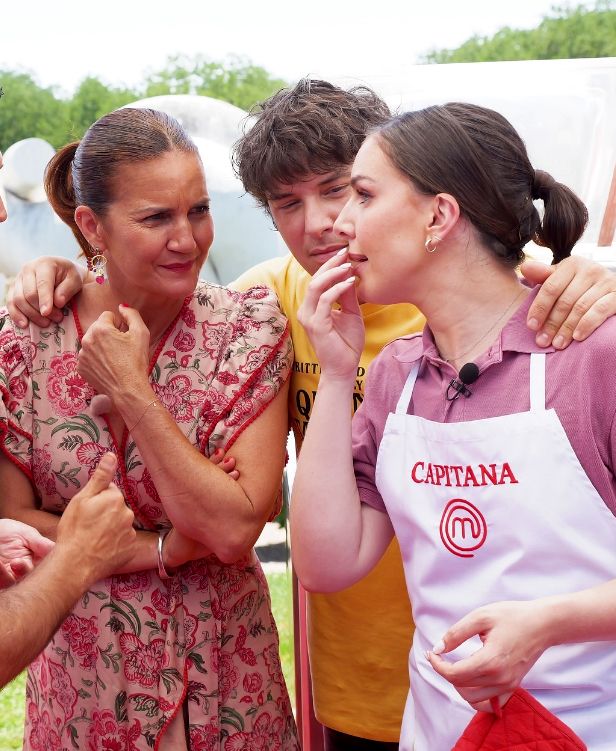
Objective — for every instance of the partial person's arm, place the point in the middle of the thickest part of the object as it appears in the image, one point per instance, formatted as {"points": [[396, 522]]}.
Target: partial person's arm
{"points": [[202, 501], [576, 297], [42, 288], [94, 537], [18, 502], [336, 540]]}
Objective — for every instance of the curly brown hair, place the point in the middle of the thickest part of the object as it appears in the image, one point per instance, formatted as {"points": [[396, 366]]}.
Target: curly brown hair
{"points": [[311, 128]]}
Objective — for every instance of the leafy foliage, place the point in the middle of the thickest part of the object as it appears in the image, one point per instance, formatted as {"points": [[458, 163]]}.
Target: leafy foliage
{"points": [[567, 32], [30, 110], [234, 80]]}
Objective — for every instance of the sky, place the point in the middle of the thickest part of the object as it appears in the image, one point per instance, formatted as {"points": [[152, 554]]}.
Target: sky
{"points": [[119, 41]]}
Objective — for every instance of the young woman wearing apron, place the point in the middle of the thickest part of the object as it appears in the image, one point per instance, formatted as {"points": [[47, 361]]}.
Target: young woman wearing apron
{"points": [[498, 480]]}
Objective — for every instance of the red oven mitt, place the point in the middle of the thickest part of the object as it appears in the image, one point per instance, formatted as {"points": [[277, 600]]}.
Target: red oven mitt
{"points": [[524, 725]]}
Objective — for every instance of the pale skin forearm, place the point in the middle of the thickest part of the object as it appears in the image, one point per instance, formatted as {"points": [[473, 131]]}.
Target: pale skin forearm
{"points": [[336, 540], [588, 615], [34, 608]]}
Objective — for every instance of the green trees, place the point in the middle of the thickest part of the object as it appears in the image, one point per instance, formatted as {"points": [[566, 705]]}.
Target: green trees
{"points": [[235, 80], [566, 32], [28, 109]]}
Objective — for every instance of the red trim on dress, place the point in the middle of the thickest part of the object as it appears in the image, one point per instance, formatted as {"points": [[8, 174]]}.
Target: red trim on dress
{"points": [[258, 413], [7, 394], [4, 430], [176, 710]]}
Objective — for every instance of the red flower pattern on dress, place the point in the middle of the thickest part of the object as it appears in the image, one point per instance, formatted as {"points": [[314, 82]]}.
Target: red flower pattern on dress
{"points": [[190, 628], [143, 662], [69, 392], [184, 341], [189, 318], [164, 601], [106, 734], [228, 379], [256, 358], [204, 737], [10, 353], [265, 736], [228, 581], [41, 470], [244, 326], [129, 586], [42, 735], [197, 573], [213, 404], [258, 293], [242, 409], [18, 387], [148, 485], [216, 336], [253, 682], [228, 675], [274, 666], [90, 453], [82, 636], [62, 688], [180, 400]]}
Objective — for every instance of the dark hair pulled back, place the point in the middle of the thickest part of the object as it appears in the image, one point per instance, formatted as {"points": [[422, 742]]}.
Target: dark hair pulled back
{"points": [[82, 173], [474, 154]]}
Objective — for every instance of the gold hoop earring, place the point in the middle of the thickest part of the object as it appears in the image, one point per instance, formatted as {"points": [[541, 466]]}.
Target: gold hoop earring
{"points": [[431, 243]]}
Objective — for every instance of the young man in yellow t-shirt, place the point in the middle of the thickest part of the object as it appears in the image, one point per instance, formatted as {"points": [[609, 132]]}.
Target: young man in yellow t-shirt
{"points": [[295, 160]]}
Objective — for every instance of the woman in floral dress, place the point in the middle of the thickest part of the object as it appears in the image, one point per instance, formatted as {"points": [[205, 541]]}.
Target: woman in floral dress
{"points": [[179, 650]]}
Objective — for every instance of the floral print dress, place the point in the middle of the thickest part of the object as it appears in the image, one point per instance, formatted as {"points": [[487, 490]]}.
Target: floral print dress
{"points": [[137, 650]]}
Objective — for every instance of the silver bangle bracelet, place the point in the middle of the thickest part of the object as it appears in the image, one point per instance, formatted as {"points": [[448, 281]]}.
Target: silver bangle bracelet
{"points": [[162, 571]]}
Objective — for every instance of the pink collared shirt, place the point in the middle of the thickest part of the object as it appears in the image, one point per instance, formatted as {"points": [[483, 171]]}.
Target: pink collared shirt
{"points": [[580, 386]]}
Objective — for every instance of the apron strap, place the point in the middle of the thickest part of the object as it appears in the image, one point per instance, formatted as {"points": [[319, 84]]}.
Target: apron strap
{"points": [[537, 382], [407, 391]]}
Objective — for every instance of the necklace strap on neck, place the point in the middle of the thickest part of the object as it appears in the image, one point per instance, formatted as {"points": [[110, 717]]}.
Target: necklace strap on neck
{"points": [[483, 336]]}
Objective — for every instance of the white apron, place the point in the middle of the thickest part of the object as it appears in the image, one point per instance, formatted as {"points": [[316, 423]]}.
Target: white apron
{"points": [[490, 510]]}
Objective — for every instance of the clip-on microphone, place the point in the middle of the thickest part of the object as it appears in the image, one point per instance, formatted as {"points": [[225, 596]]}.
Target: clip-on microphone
{"points": [[468, 374]]}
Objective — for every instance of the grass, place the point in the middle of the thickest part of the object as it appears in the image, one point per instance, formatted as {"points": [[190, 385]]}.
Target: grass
{"points": [[12, 714], [282, 607], [12, 696]]}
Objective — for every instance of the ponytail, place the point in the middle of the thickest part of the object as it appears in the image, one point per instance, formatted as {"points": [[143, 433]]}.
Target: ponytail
{"points": [[61, 191], [565, 216]]}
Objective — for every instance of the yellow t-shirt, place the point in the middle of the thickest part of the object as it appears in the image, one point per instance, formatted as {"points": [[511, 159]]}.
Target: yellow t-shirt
{"points": [[358, 639]]}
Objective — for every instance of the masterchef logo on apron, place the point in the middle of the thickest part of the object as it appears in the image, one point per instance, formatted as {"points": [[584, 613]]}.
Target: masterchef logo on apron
{"points": [[463, 528]]}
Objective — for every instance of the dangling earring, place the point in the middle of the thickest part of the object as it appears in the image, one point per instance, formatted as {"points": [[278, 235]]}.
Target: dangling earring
{"points": [[431, 243], [98, 265]]}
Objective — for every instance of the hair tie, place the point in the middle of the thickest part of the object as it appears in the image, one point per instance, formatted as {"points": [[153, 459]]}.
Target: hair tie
{"points": [[543, 183]]}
